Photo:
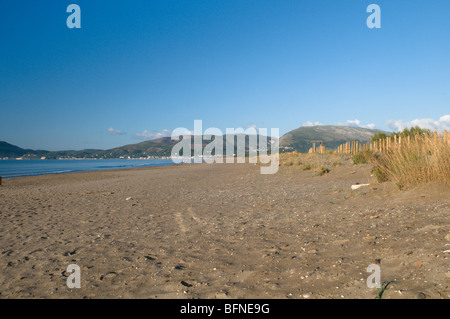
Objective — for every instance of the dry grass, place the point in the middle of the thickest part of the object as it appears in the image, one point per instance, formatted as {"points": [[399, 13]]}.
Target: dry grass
{"points": [[424, 159], [319, 163]]}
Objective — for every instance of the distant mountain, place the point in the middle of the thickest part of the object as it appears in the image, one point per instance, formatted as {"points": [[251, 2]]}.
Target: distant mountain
{"points": [[163, 147], [300, 139], [158, 147], [13, 151], [154, 148]]}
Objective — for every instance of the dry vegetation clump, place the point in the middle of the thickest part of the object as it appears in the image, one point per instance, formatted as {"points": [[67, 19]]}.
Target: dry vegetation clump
{"points": [[365, 157], [418, 159], [319, 163], [291, 159], [423, 159]]}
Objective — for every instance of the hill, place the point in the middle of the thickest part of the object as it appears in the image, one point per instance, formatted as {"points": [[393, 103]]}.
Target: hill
{"points": [[13, 151], [160, 147], [300, 139], [163, 147]]}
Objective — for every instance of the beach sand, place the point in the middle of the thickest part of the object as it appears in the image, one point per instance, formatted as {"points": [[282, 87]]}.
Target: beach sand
{"points": [[221, 231]]}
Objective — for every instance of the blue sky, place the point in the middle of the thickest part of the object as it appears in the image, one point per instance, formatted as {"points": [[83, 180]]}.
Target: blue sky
{"points": [[140, 69]]}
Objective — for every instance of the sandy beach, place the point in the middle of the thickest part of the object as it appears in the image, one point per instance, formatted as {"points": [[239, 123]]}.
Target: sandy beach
{"points": [[222, 231]]}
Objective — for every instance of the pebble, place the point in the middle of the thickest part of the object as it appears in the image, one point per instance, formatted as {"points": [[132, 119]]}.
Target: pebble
{"points": [[184, 283], [421, 295], [355, 187]]}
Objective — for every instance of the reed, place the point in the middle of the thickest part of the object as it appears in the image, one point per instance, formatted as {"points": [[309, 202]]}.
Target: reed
{"points": [[417, 160]]}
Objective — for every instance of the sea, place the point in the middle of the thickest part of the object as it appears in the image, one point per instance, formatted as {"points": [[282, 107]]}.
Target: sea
{"points": [[19, 168]]}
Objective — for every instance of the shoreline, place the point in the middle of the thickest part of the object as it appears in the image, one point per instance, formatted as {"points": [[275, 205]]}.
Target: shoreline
{"points": [[54, 171]]}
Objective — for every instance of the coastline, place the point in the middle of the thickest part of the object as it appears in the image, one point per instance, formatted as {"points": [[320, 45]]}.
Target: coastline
{"points": [[22, 168]]}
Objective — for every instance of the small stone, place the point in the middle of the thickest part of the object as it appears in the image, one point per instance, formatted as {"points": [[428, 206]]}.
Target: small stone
{"points": [[307, 295], [108, 275], [421, 295], [356, 186], [184, 283], [447, 237]]}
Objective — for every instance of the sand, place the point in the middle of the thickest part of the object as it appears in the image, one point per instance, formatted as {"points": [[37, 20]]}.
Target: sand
{"points": [[221, 231]]}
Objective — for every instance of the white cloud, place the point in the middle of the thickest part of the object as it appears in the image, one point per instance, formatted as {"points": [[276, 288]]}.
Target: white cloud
{"points": [[354, 123], [309, 123], [443, 123], [147, 135], [357, 123], [115, 132]]}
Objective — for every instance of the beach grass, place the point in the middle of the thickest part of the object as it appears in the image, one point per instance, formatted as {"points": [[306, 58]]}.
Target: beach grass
{"points": [[423, 159]]}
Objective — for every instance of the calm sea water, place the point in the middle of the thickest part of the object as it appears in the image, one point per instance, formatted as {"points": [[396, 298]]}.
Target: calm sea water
{"points": [[14, 168]]}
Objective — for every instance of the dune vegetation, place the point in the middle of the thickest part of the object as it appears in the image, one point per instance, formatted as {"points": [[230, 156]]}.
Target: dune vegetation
{"points": [[412, 157]]}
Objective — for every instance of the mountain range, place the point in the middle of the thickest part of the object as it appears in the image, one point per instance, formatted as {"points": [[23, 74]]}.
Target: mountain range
{"points": [[161, 147], [299, 140]]}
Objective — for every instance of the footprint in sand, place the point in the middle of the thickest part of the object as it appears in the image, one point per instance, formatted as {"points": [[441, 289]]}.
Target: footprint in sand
{"points": [[180, 222]]}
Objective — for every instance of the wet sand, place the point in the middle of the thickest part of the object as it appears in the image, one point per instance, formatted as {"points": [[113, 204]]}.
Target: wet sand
{"points": [[221, 231]]}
